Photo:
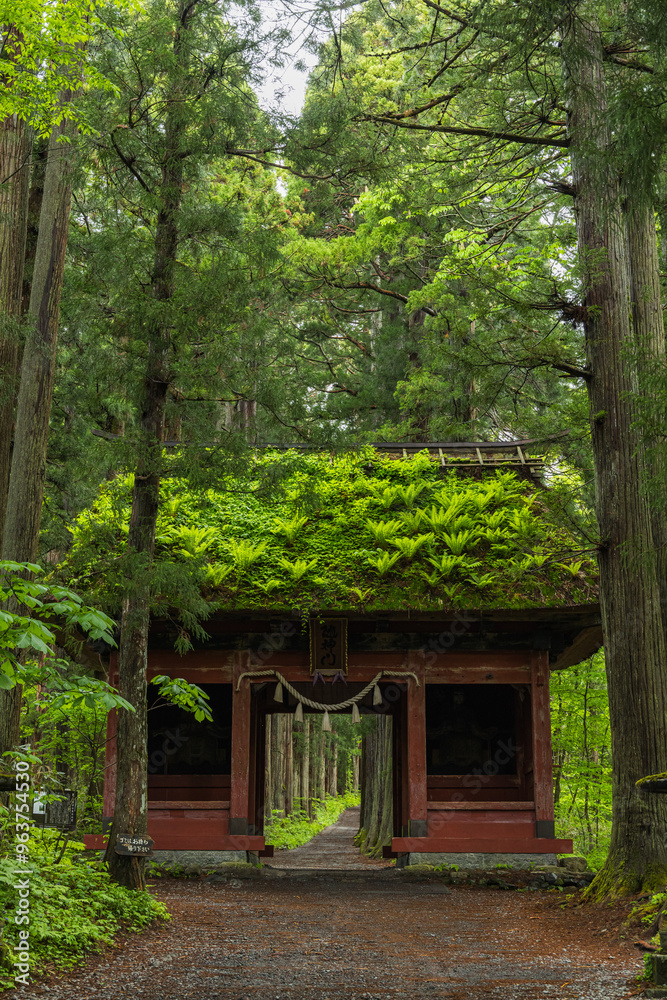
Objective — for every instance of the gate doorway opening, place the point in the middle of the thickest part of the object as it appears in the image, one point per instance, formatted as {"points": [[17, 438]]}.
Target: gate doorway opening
{"points": [[306, 767]]}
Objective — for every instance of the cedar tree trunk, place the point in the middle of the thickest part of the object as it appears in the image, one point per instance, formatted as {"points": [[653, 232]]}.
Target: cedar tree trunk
{"points": [[131, 805], [14, 175], [376, 813], [629, 592], [28, 466]]}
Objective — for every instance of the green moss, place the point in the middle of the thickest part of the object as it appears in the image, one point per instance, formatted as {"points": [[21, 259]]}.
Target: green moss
{"points": [[361, 531], [651, 777], [618, 879]]}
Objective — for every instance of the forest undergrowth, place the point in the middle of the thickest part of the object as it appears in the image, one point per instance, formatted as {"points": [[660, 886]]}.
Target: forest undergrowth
{"points": [[73, 906]]}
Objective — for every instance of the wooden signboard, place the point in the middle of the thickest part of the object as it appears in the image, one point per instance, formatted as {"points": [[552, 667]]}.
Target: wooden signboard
{"points": [[328, 646], [127, 845], [62, 814]]}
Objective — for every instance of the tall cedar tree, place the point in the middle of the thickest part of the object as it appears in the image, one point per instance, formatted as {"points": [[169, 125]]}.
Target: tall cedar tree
{"points": [[184, 104], [480, 94], [42, 60]]}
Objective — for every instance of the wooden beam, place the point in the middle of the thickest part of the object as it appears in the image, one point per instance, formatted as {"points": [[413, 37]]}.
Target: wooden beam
{"points": [[187, 836], [474, 845], [240, 787], [448, 662], [541, 716], [587, 642], [486, 806], [465, 781], [182, 804], [202, 666], [477, 675]]}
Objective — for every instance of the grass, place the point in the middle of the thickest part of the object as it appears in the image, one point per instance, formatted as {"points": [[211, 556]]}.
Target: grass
{"points": [[297, 828]]}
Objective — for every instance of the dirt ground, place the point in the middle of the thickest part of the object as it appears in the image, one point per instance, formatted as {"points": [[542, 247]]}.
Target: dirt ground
{"points": [[359, 933]]}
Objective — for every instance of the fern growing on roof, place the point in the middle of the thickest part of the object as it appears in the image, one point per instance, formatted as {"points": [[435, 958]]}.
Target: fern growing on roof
{"points": [[304, 530]]}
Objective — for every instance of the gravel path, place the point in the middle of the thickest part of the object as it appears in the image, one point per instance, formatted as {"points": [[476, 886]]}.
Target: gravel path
{"points": [[332, 849], [355, 934]]}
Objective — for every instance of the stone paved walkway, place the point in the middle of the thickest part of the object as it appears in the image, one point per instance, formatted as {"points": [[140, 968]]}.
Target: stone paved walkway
{"points": [[332, 849]]}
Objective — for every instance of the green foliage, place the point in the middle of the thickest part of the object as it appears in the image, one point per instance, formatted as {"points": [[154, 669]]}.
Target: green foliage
{"points": [[189, 697], [409, 547], [384, 562], [245, 554], [191, 543], [582, 756], [325, 559], [298, 569], [66, 689], [44, 603], [446, 564], [291, 527], [215, 575], [75, 908], [42, 57], [460, 541], [298, 828], [383, 531]]}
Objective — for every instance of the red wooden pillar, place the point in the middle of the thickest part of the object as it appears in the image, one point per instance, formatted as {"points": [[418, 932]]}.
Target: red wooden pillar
{"points": [[542, 762], [110, 754], [416, 755], [111, 750], [239, 802]]}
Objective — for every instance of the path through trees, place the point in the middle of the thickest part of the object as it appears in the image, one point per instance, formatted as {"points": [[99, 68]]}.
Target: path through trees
{"points": [[360, 935]]}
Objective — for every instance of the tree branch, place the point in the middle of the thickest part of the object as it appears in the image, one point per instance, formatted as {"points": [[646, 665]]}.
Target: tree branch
{"points": [[630, 64], [382, 291], [484, 133], [249, 155], [447, 13], [574, 370], [129, 164]]}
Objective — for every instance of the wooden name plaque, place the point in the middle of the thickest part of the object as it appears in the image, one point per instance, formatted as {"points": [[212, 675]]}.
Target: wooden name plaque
{"points": [[127, 845], [328, 646]]}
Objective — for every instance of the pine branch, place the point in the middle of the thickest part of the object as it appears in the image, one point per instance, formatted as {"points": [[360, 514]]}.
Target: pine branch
{"points": [[448, 13], [561, 187], [249, 154], [412, 48], [414, 112], [574, 370], [129, 163], [484, 133], [382, 291], [629, 63]]}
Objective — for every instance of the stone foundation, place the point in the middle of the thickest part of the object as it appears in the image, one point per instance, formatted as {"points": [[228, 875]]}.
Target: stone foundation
{"points": [[204, 859], [521, 862]]}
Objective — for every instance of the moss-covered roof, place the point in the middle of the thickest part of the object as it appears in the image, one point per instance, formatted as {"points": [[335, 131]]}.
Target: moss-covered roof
{"points": [[364, 532]]}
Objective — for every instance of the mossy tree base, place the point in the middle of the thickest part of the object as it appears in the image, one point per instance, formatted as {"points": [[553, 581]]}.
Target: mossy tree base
{"points": [[619, 879]]}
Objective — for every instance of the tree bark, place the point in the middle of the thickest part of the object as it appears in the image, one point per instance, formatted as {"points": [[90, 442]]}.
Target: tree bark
{"points": [[313, 769], [26, 486], [649, 335], [304, 783], [130, 812], [289, 765], [629, 592], [376, 813], [14, 177], [28, 464], [38, 159]]}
